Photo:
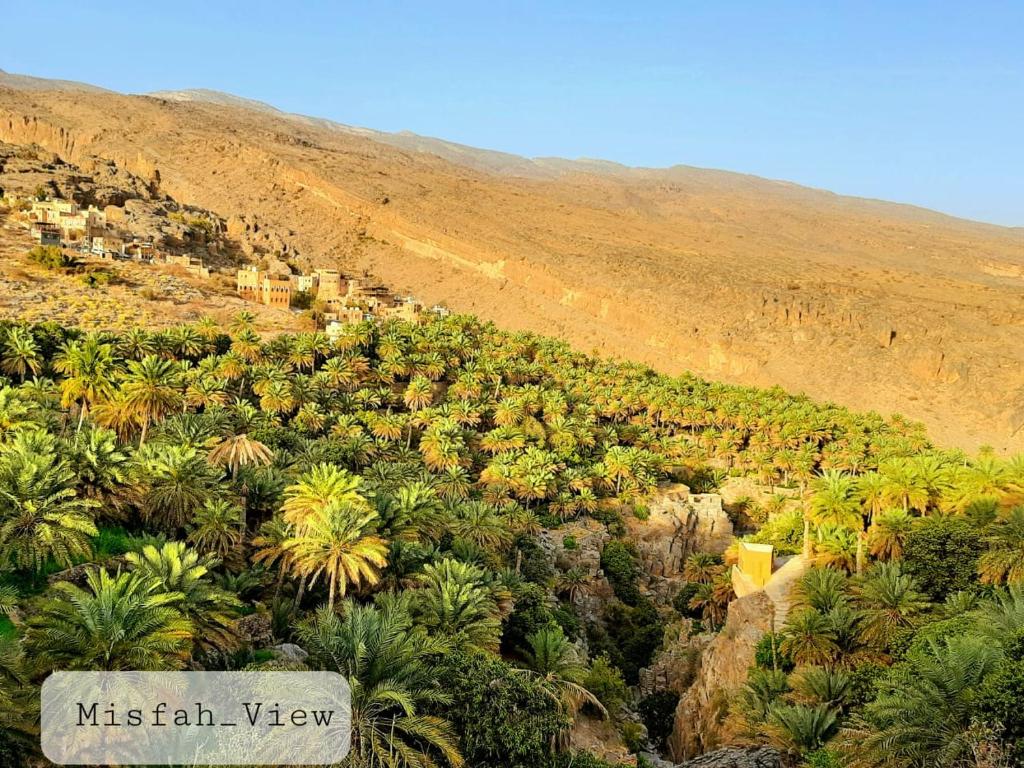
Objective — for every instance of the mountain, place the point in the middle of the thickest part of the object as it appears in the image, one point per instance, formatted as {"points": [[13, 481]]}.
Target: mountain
{"points": [[872, 304], [29, 83]]}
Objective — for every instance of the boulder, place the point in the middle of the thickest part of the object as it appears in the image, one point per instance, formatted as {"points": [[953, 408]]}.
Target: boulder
{"points": [[291, 653], [255, 630]]}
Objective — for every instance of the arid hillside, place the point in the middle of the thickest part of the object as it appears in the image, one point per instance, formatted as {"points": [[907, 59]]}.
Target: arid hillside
{"points": [[871, 304]]}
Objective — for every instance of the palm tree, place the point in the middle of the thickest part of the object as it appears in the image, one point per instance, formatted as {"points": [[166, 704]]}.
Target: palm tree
{"points": [[891, 603], [321, 485], [99, 465], [389, 665], [480, 523], [834, 503], [925, 716], [892, 528], [552, 659], [573, 583], [797, 729], [19, 354], [809, 638], [1003, 561], [120, 622], [217, 527], [90, 369], [712, 599], [338, 541], [240, 451], [16, 412], [821, 589], [454, 602], [41, 514], [702, 567], [418, 394], [904, 487], [177, 569], [151, 390], [821, 685], [172, 482]]}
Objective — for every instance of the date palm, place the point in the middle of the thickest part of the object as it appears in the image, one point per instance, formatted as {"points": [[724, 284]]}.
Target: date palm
{"points": [[42, 516], [702, 567], [117, 622], [177, 569], [1003, 561], [389, 664], [480, 523], [455, 602], [151, 389], [892, 528], [553, 660], [17, 412], [90, 369], [338, 541], [171, 483], [101, 469], [891, 603], [809, 638], [218, 527], [926, 715], [239, 451], [797, 729], [19, 353]]}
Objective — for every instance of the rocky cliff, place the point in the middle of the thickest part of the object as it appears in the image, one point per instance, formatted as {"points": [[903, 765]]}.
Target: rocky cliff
{"points": [[723, 666]]}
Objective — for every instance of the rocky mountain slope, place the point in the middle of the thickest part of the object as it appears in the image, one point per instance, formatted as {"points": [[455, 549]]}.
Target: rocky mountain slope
{"points": [[875, 305]]}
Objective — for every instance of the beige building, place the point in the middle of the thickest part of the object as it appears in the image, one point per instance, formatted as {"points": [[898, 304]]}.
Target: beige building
{"points": [[249, 284], [276, 291], [330, 285], [306, 283]]}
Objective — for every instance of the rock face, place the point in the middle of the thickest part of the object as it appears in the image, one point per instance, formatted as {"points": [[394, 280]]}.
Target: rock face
{"points": [[723, 669], [679, 524], [755, 757], [676, 665], [873, 305]]}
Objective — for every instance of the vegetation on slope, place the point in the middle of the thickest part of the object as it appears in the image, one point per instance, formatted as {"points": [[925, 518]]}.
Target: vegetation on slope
{"points": [[377, 500]]}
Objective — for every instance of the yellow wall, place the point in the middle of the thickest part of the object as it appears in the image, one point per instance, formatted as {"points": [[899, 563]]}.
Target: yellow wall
{"points": [[756, 562]]}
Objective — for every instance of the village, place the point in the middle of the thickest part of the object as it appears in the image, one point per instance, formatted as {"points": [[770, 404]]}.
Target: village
{"points": [[332, 298]]}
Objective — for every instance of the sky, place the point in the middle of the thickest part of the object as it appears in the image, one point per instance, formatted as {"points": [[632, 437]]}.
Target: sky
{"points": [[917, 102]]}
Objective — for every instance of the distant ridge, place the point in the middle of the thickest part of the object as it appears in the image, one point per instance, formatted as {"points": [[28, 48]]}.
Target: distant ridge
{"points": [[29, 83]]}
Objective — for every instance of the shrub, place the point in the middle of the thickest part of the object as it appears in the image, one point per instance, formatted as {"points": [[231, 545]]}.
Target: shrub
{"points": [[535, 565], [502, 717], [658, 711], [52, 257], [785, 532], [97, 278], [569, 543], [681, 601], [768, 653], [942, 554], [619, 561], [822, 758], [604, 680], [634, 735], [999, 701]]}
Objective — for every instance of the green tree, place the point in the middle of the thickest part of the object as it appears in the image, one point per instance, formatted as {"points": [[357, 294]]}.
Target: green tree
{"points": [[179, 570], [390, 666], [120, 622]]}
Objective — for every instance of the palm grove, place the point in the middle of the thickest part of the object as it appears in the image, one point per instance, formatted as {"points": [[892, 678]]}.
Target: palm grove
{"points": [[188, 498]]}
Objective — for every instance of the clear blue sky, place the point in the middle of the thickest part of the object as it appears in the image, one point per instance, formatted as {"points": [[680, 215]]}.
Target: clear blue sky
{"points": [[920, 102]]}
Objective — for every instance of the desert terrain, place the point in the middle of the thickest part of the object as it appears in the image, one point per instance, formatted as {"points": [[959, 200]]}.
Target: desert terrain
{"points": [[871, 304]]}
